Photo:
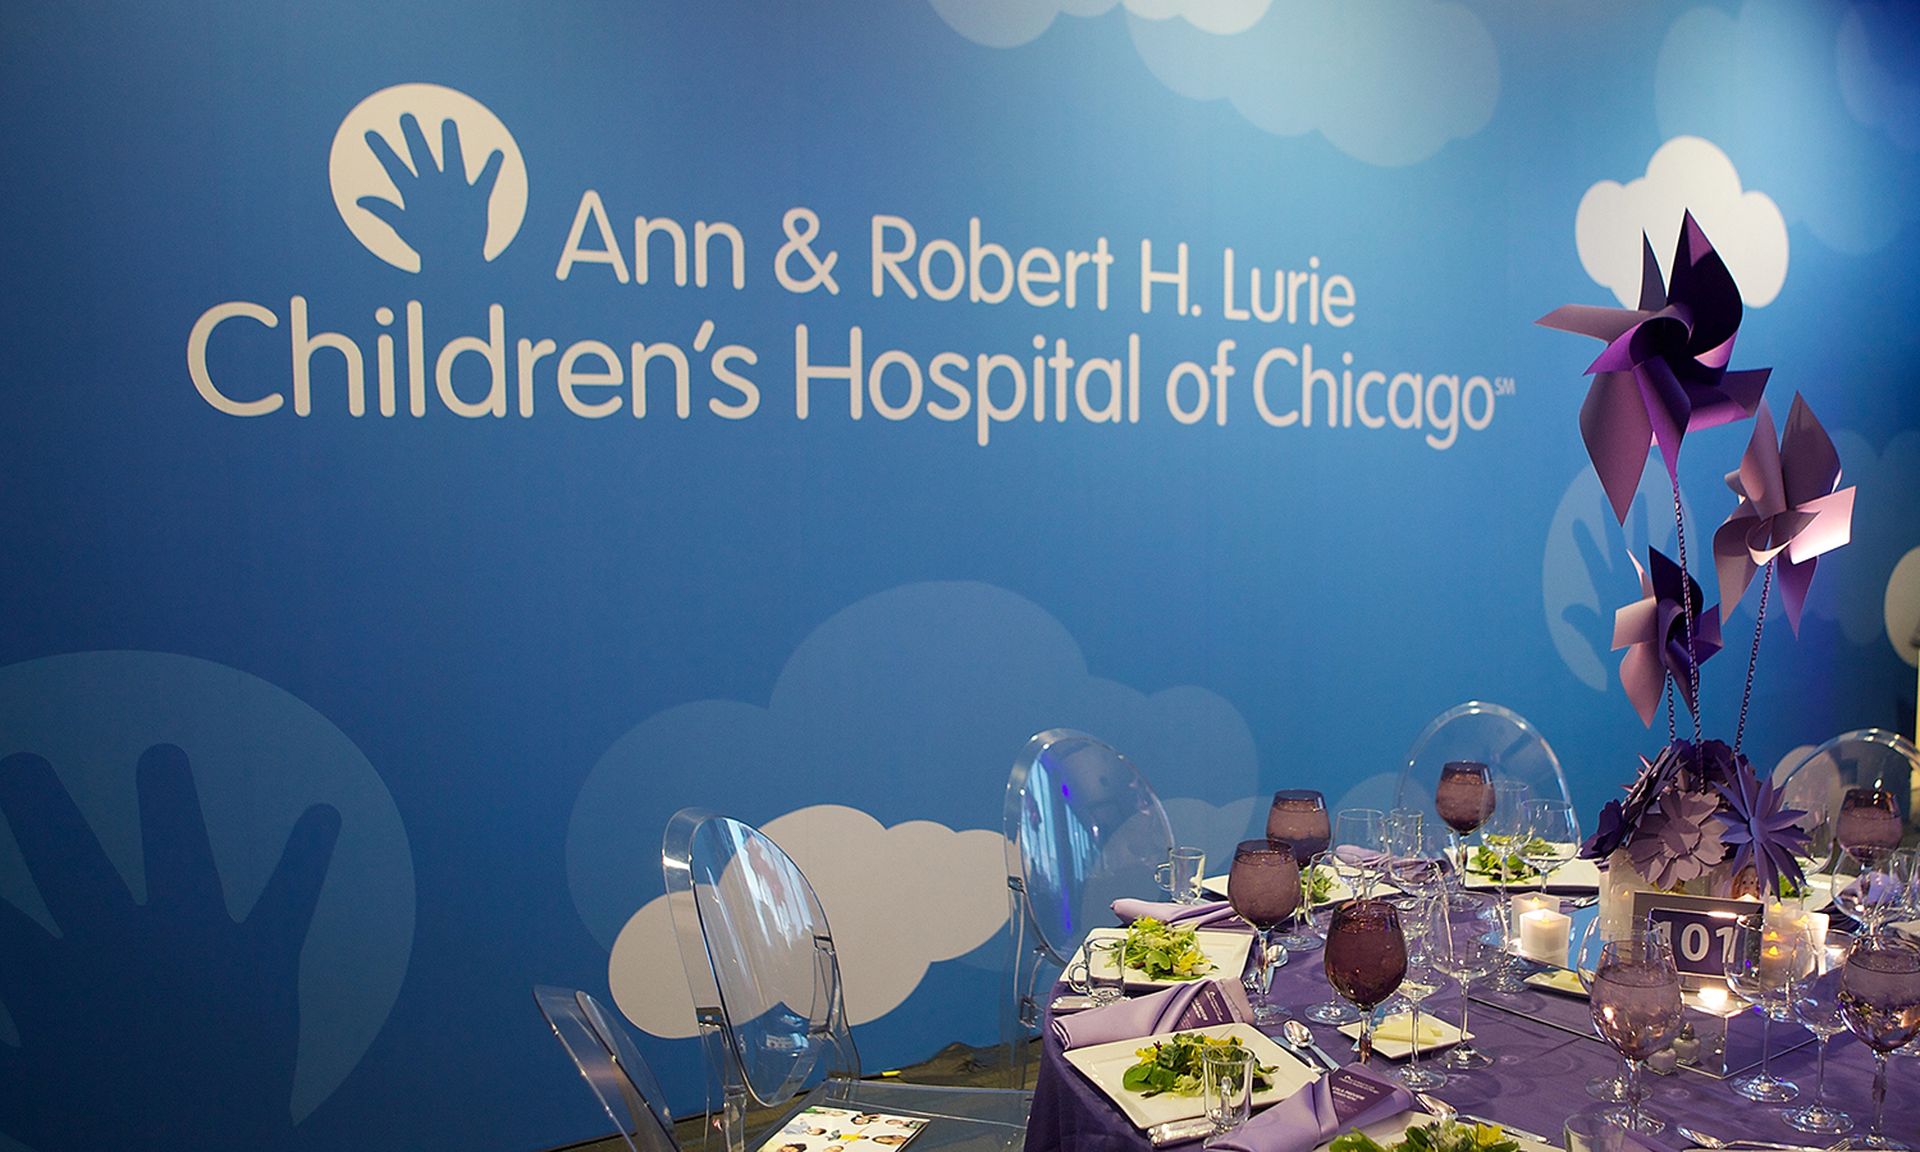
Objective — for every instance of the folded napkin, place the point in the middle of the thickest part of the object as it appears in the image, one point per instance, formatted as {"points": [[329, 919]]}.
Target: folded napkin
{"points": [[1399, 1026], [1208, 914], [1201, 1004], [1350, 1097]]}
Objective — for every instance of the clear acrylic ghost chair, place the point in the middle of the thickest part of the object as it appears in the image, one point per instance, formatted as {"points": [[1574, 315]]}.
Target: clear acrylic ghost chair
{"points": [[1864, 758], [1491, 734], [620, 1079], [1083, 828], [765, 978]]}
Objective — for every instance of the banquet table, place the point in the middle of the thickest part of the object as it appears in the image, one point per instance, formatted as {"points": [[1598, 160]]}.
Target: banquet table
{"points": [[1538, 1078]]}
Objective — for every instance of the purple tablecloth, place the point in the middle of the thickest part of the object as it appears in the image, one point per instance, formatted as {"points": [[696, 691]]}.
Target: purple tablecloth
{"points": [[1538, 1079]]}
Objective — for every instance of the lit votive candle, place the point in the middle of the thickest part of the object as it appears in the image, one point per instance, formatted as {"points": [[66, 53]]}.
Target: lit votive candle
{"points": [[1544, 936], [1534, 902]]}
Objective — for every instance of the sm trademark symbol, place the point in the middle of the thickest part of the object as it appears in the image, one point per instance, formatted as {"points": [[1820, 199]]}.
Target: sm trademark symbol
{"points": [[1503, 386]]}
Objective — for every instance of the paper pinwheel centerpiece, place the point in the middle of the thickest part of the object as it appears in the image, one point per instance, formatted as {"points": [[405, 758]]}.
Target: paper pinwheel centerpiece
{"points": [[1698, 816], [1664, 371], [1665, 634], [1791, 502]]}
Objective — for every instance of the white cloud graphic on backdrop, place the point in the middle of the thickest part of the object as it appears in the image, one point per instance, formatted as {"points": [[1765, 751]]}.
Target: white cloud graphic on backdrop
{"points": [[886, 934], [1388, 82], [1799, 92], [1686, 173], [912, 703]]}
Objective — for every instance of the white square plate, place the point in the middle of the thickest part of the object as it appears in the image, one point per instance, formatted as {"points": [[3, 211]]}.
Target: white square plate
{"points": [[1582, 875], [1387, 1131], [1227, 950], [1447, 1035], [1106, 1064], [1341, 890]]}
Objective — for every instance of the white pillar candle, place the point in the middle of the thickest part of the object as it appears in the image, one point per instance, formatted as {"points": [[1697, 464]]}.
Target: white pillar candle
{"points": [[1544, 936], [1534, 902], [1817, 925]]}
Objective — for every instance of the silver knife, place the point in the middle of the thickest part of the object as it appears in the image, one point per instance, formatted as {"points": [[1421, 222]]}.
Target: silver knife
{"points": [[1179, 1131]]}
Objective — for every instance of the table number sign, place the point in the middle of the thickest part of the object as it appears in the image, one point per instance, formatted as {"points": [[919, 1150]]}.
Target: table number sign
{"points": [[1701, 929]]}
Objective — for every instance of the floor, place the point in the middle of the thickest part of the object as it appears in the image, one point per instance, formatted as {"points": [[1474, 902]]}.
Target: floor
{"points": [[955, 1064]]}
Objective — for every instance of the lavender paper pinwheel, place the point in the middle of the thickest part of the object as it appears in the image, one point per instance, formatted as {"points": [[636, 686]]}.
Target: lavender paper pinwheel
{"points": [[1655, 629], [1761, 829], [1791, 502], [1664, 372]]}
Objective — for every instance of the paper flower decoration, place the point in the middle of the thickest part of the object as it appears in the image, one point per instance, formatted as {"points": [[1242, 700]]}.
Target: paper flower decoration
{"points": [[1664, 372], [1761, 829], [1676, 842], [1610, 832], [1791, 502], [1655, 629]]}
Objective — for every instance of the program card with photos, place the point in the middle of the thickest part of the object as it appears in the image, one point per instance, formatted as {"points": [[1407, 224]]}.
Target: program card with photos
{"points": [[842, 1130]]}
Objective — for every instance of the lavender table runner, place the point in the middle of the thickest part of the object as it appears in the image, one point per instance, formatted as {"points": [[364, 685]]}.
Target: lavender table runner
{"points": [[1538, 1080]]}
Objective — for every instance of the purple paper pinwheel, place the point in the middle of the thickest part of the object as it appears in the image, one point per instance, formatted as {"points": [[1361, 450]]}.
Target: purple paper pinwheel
{"points": [[1762, 831], [1656, 629], [1791, 503], [1664, 372]]}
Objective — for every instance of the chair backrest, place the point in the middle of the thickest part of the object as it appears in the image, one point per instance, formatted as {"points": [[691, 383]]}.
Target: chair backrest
{"points": [[620, 1079], [1491, 734], [1864, 758], [1083, 828], [758, 955]]}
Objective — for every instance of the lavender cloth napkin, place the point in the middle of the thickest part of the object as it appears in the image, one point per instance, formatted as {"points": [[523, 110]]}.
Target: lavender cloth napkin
{"points": [[1197, 1005], [1347, 1098], [1208, 914]]}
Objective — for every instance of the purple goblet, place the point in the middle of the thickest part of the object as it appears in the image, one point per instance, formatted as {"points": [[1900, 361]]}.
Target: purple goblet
{"points": [[1634, 997], [1299, 816], [1463, 799], [1366, 959], [1880, 999], [1869, 826], [1264, 887]]}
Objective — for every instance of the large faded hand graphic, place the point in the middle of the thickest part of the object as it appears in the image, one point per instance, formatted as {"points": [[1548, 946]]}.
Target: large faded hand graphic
{"points": [[164, 1024]]}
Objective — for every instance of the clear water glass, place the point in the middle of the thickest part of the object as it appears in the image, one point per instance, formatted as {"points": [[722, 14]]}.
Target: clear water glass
{"points": [[1423, 978], [1464, 950], [1504, 833], [1759, 964], [1359, 847], [1333, 1010], [1814, 991], [1226, 1087]]}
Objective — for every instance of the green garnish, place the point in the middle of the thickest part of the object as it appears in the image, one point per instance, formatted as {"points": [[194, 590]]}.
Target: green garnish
{"points": [[1164, 953], [1172, 1065], [1439, 1136], [1319, 880], [1487, 861]]}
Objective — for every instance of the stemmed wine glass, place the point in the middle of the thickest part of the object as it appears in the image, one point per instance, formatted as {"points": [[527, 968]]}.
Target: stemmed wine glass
{"points": [[1880, 999], [1611, 1089], [1461, 949], [1299, 817], [1505, 832], [1814, 990], [1464, 799], [1869, 826], [1551, 836], [1634, 997], [1334, 1010], [1263, 886], [1366, 958], [1759, 965], [1423, 978], [1868, 888], [1359, 847]]}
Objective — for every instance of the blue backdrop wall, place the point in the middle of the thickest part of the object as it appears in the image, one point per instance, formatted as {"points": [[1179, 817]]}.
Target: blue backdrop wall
{"points": [[440, 440]]}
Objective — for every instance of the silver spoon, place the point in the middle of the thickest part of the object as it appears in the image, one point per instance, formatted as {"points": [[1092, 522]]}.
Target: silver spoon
{"points": [[1301, 1036]]}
